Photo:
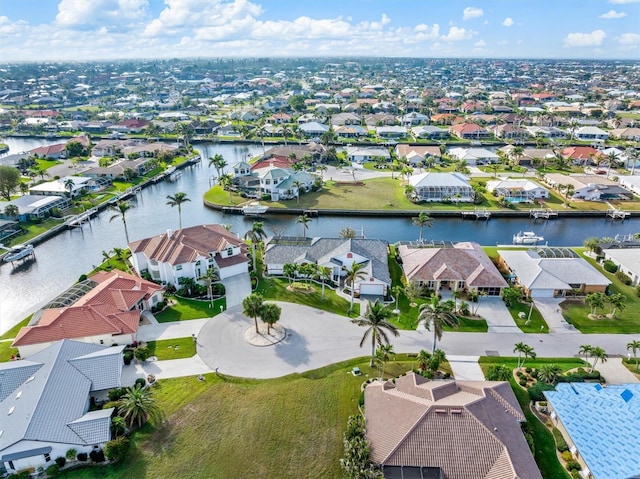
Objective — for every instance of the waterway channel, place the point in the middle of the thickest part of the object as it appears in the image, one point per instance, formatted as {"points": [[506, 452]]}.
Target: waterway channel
{"points": [[62, 259]]}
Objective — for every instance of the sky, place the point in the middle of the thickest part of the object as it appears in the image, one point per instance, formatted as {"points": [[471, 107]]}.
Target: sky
{"points": [[53, 30]]}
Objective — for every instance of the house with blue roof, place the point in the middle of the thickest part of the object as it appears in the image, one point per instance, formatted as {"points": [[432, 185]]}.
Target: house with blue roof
{"points": [[44, 403], [600, 425]]}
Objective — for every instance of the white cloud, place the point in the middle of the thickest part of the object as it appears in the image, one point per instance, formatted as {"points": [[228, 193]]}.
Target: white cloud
{"points": [[612, 14], [78, 13], [456, 34], [593, 39], [507, 22], [480, 44], [629, 39], [471, 12], [623, 2]]}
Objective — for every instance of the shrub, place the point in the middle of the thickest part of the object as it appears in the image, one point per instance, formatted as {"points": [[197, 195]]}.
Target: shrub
{"points": [[116, 393], [61, 461], [82, 457], [528, 370], [127, 356], [534, 374], [71, 454], [623, 278], [535, 391], [110, 404], [575, 474], [97, 455], [116, 449], [610, 266], [523, 382], [53, 470], [567, 456], [82, 277], [142, 354], [561, 444], [519, 374], [573, 466], [140, 383]]}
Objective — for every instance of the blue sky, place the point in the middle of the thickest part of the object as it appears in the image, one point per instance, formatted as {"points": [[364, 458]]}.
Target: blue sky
{"points": [[110, 29]]}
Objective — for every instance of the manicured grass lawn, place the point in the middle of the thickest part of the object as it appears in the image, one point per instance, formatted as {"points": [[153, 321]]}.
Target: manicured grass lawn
{"points": [[627, 321], [224, 427], [32, 229], [545, 453], [172, 348], [14, 331], [46, 164], [630, 364], [186, 309], [275, 289], [537, 325], [6, 351]]}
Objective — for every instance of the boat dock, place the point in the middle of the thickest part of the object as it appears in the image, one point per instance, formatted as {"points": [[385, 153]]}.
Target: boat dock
{"points": [[477, 214], [615, 214], [81, 219], [542, 213]]}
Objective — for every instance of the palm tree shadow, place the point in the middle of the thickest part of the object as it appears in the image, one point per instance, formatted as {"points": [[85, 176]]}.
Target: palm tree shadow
{"points": [[293, 350]]}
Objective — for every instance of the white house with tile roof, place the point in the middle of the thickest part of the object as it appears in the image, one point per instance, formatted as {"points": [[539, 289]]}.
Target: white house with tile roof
{"points": [[44, 403]]}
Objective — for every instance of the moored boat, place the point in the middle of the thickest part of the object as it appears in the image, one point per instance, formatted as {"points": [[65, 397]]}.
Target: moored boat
{"points": [[527, 238], [18, 252], [254, 208]]}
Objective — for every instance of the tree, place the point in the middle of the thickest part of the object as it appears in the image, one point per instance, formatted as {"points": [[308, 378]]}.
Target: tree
{"points": [[298, 186], [226, 181], [137, 406], [74, 148], [252, 307], [499, 373], [116, 449], [617, 302], [304, 220], [384, 353], [270, 314], [121, 207], [634, 345], [9, 181], [256, 234], [347, 232], [511, 296], [69, 184], [591, 243], [598, 354], [218, 162], [548, 373], [290, 270], [12, 211], [323, 273], [524, 350], [422, 220], [586, 350], [413, 291], [375, 320], [353, 274], [595, 301], [209, 279], [177, 200], [435, 314], [424, 359]]}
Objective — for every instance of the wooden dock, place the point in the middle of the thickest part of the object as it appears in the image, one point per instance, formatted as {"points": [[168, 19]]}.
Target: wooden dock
{"points": [[477, 214], [615, 214], [542, 213]]}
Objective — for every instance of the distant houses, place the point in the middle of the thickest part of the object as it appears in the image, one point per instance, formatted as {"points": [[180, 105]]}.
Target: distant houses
{"points": [[432, 187]]}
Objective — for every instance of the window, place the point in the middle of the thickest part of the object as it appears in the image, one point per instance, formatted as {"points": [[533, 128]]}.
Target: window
{"points": [[179, 267], [47, 457], [229, 251]]}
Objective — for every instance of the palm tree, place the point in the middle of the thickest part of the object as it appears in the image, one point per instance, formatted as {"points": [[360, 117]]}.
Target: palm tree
{"points": [[634, 346], [177, 200], [396, 292], [384, 353], [137, 406], [523, 350], [586, 350], [270, 314], [353, 274], [218, 162], [121, 207], [12, 211], [617, 302], [290, 270], [568, 192], [548, 373], [69, 184], [304, 220], [212, 276], [347, 232], [499, 373], [323, 273], [598, 354], [256, 234], [297, 185], [226, 181], [422, 220], [424, 359], [252, 307], [375, 320], [435, 314]]}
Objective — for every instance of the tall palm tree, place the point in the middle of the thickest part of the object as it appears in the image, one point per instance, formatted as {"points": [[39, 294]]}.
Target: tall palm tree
{"points": [[586, 350], [523, 350], [218, 162], [323, 273], [422, 220], [424, 359], [252, 307], [384, 353], [634, 346], [256, 234], [68, 185], [226, 181], [137, 406], [177, 200], [297, 185], [598, 354], [270, 314], [375, 320], [121, 207], [435, 314], [352, 274], [211, 276], [304, 220]]}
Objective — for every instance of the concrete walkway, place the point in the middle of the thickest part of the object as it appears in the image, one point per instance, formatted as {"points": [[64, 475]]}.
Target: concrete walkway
{"points": [[552, 314], [466, 367]]}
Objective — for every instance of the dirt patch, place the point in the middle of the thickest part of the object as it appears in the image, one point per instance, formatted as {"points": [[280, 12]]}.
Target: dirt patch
{"points": [[293, 289], [349, 183]]}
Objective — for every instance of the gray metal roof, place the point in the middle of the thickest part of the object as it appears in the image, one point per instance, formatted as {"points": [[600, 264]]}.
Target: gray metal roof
{"points": [[13, 374], [94, 427], [29, 453], [56, 394]]}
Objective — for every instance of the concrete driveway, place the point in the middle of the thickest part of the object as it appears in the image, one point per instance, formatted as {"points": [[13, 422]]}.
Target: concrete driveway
{"points": [[552, 314], [237, 288], [466, 367], [498, 317]]}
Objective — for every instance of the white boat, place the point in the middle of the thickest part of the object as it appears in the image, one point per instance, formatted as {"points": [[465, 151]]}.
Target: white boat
{"points": [[254, 208], [526, 237], [18, 252]]}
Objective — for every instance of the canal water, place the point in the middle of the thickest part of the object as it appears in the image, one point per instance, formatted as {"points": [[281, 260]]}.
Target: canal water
{"points": [[61, 260]]}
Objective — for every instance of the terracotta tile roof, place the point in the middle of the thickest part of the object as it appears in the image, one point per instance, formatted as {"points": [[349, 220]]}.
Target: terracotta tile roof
{"points": [[187, 244], [121, 289], [465, 261], [470, 429]]}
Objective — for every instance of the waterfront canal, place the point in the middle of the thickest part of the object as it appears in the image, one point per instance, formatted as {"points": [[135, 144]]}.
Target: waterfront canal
{"points": [[62, 259]]}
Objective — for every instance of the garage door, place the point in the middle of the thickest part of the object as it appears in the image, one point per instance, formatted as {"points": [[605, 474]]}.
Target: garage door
{"points": [[372, 289]]}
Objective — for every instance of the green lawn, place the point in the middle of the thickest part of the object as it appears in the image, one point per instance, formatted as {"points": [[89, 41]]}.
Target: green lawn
{"points": [[545, 453], [186, 309], [6, 351], [172, 348], [32, 229], [537, 324], [223, 427], [627, 321], [276, 289], [46, 164]]}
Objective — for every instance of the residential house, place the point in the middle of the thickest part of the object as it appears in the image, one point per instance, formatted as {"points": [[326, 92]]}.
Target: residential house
{"points": [[631, 183], [121, 169], [364, 154], [469, 131], [391, 132], [132, 125], [70, 186], [630, 134], [338, 254], [474, 156], [627, 260], [517, 190], [458, 267], [590, 133], [313, 128], [552, 272], [413, 119], [429, 131], [350, 131], [281, 183], [589, 187], [380, 119], [545, 132], [419, 428], [345, 119], [278, 118], [581, 155], [32, 207], [509, 131], [45, 403], [107, 312], [190, 252], [595, 421], [416, 155], [55, 152], [432, 187]]}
